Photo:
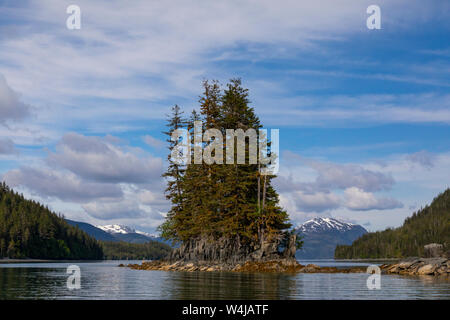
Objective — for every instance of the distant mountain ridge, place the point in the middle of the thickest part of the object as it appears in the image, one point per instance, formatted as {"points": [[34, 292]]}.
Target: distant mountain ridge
{"points": [[322, 235], [115, 233], [118, 228], [94, 232]]}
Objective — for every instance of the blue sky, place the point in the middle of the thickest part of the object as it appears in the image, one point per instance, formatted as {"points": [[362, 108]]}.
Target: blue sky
{"points": [[364, 115]]}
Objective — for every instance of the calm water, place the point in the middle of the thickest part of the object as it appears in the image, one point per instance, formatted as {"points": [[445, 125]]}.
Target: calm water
{"points": [[104, 280]]}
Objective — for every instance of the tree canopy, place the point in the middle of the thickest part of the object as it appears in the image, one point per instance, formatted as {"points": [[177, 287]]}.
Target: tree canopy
{"points": [[220, 200], [30, 230]]}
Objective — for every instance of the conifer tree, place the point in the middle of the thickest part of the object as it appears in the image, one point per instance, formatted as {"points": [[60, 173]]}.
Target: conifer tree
{"points": [[232, 201]]}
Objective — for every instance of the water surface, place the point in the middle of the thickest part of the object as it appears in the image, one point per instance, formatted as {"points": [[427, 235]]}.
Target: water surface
{"points": [[104, 280]]}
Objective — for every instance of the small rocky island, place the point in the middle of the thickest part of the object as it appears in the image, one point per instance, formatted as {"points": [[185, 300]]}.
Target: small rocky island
{"points": [[225, 214], [435, 264], [272, 266]]}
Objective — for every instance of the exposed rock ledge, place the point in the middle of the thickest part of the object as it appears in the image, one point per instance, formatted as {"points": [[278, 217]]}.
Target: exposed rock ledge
{"points": [[422, 266], [282, 265], [412, 266]]}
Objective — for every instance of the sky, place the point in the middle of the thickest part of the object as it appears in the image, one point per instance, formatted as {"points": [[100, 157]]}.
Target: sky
{"points": [[363, 114]]}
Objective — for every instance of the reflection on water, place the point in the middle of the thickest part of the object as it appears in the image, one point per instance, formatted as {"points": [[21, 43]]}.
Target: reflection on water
{"points": [[104, 280], [226, 285]]}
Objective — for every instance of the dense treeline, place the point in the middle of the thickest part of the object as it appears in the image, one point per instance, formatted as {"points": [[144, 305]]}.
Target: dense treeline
{"points": [[221, 200], [429, 225], [30, 230], [152, 250]]}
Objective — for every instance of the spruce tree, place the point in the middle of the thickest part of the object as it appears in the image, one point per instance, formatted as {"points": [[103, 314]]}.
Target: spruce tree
{"points": [[224, 201]]}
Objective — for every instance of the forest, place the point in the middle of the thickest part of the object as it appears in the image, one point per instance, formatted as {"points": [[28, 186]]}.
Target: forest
{"points": [[30, 230], [428, 225], [152, 250]]}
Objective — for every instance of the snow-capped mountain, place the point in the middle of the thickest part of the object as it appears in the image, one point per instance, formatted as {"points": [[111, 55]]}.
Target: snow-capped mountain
{"points": [[324, 224], [116, 232], [128, 234], [117, 228], [322, 235], [147, 234]]}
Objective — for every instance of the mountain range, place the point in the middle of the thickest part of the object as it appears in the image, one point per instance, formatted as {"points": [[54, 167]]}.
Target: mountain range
{"points": [[322, 235], [115, 233]]}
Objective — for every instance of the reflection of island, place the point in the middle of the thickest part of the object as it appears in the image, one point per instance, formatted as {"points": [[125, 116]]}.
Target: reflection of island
{"points": [[206, 285]]}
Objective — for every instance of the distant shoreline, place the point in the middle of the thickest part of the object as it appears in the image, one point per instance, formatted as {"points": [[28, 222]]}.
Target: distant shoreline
{"points": [[7, 260], [360, 260], [26, 260]]}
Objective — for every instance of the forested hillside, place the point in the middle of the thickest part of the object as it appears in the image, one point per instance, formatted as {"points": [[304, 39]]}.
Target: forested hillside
{"points": [[429, 225], [152, 250], [30, 230]]}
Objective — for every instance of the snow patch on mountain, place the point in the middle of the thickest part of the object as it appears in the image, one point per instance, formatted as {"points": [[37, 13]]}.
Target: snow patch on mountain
{"points": [[117, 228], [325, 224]]}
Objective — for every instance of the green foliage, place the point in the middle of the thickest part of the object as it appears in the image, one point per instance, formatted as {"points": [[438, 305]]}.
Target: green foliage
{"points": [[221, 200], [30, 230], [299, 242], [429, 225], [152, 250]]}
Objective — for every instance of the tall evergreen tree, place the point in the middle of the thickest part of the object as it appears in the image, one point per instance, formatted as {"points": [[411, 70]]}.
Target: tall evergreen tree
{"points": [[174, 174], [225, 201]]}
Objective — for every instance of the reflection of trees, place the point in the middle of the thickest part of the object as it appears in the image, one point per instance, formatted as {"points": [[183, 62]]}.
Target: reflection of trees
{"points": [[10, 280], [230, 285], [26, 283]]}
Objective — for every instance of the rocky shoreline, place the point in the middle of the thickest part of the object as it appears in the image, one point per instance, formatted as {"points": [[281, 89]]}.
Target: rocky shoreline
{"points": [[419, 266], [412, 266], [276, 266]]}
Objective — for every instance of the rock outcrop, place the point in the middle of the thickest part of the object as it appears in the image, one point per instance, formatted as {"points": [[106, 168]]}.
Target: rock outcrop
{"points": [[433, 250], [419, 266], [272, 266], [231, 251]]}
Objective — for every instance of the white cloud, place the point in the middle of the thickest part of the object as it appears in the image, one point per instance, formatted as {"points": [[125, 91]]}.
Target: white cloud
{"points": [[423, 158], [113, 210], [359, 200], [11, 108], [94, 158], [7, 146], [49, 183], [153, 142], [330, 175], [316, 202]]}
